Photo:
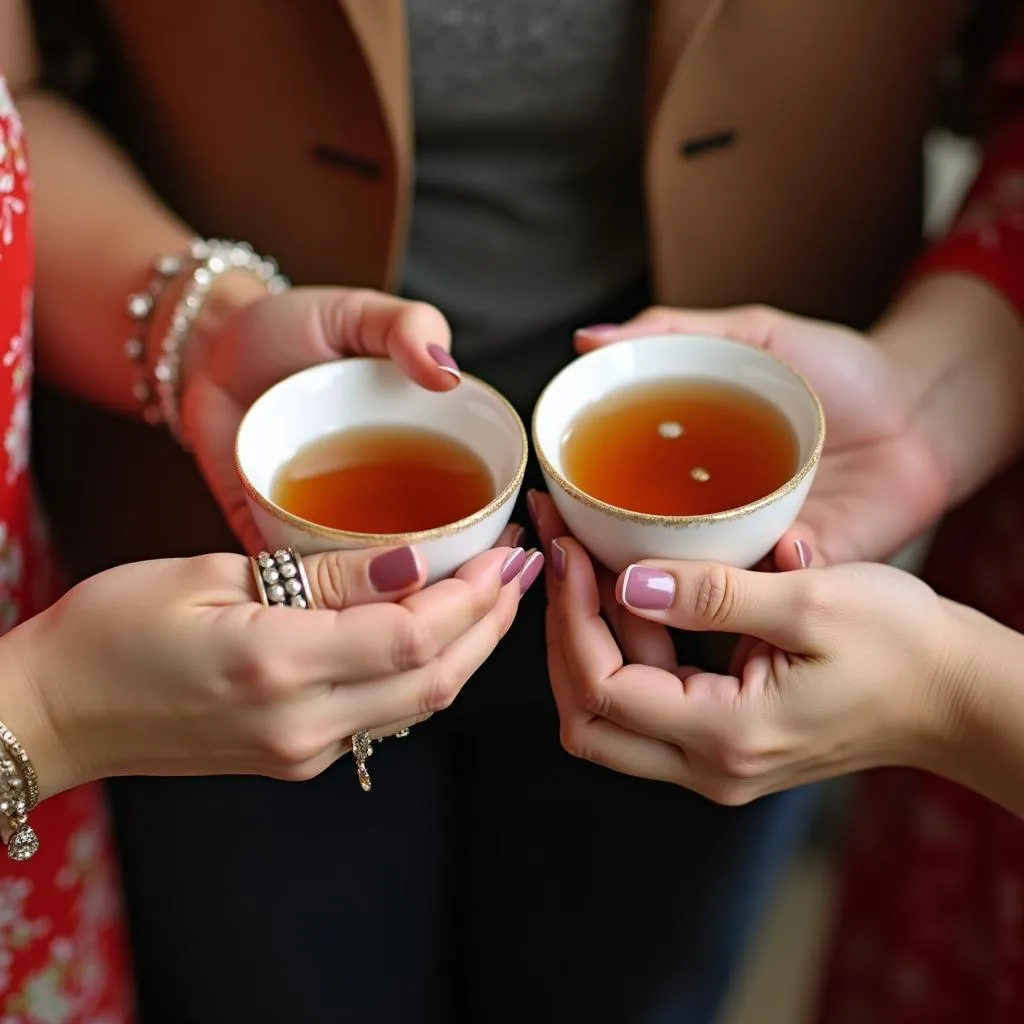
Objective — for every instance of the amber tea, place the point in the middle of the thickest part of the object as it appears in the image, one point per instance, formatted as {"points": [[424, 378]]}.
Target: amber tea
{"points": [[384, 480], [683, 448]]}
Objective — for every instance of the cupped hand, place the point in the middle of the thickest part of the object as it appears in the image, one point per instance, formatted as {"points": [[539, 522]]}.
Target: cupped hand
{"points": [[228, 368], [845, 669], [880, 483], [173, 668]]}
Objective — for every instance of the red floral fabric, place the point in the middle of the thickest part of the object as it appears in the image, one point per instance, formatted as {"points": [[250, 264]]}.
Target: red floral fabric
{"points": [[62, 958], [931, 917]]}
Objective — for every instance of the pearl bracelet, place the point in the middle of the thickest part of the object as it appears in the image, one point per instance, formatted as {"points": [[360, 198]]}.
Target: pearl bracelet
{"points": [[19, 794]]}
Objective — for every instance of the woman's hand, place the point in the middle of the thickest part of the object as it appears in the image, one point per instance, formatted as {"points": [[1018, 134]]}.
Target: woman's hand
{"points": [[172, 668], [881, 482], [842, 669], [244, 346]]}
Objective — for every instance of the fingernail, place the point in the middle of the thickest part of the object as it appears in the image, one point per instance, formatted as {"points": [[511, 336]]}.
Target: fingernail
{"points": [[534, 564], [394, 570], [444, 360], [803, 553], [516, 540], [599, 329], [531, 506], [512, 566], [648, 590], [558, 560]]}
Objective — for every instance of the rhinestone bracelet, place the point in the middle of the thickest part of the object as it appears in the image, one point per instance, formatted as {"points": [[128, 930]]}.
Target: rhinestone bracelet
{"points": [[19, 794], [140, 308], [212, 257]]}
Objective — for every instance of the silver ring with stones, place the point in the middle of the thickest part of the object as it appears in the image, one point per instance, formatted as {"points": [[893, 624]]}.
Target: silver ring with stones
{"points": [[281, 580]]}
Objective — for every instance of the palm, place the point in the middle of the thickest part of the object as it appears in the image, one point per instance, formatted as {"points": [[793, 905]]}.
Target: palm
{"points": [[879, 483]]}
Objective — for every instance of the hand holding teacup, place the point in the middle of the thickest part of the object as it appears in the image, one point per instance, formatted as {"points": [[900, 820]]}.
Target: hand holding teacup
{"points": [[353, 455]]}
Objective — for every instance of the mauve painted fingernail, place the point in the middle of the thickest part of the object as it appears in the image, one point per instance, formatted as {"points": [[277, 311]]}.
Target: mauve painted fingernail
{"points": [[648, 590], [394, 570], [803, 553], [599, 329], [558, 560], [531, 506], [516, 540], [512, 566], [444, 360], [534, 564]]}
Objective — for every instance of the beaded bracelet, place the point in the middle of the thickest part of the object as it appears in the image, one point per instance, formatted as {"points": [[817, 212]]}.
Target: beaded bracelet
{"points": [[213, 257], [19, 794], [140, 306]]}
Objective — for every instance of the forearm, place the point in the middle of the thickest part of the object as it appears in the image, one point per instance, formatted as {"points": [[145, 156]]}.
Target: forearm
{"points": [[960, 346], [98, 229], [983, 681]]}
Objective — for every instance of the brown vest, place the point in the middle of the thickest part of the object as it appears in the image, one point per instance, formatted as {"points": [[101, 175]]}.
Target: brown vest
{"points": [[783, 145]]}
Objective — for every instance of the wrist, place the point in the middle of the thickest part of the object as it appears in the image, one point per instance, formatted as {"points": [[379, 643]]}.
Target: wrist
{"points": [[26, 710], [956, 345], [979, 708], [229, 294]]}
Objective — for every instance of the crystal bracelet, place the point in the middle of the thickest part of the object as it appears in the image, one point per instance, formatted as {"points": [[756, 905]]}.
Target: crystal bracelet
{"points": [[19, 794], [212, 257], [140, 306]]}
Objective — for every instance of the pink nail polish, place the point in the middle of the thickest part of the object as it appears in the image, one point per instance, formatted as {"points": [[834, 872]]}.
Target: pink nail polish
{"points": [[598, 329], [803, 553], [558, 560], [394, 570], [531, 571], [531, 506], [513, 566], [444, 360], [647, 590]]}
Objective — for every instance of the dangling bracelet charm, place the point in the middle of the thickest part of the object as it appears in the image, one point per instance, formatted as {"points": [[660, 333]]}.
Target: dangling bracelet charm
{"points": [[19, 794]]}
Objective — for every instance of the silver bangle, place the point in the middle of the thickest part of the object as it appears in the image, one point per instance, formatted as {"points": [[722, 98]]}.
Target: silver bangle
{"points": [[213, 258]]}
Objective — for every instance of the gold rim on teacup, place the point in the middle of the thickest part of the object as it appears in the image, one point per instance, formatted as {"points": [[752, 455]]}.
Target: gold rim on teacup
{"points": [[648, 518], [380, 539]]}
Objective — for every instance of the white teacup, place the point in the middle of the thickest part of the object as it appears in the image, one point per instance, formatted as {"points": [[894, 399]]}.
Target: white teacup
{"points": [[354, 393], [618, 537]]}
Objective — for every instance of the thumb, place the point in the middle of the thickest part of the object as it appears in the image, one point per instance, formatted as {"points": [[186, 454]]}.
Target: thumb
{"points": [[343, 579], [709, 597], [752, 325], [414, 334]]}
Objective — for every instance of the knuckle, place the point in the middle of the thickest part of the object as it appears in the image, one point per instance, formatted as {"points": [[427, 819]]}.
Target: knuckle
{"points": [[288, 748], [740, 755], [441, 690], [729, 793], [715, 596], [595, 698], [299, 772], [210, 568], [574, 743], [413, 643], [331, 581], [262, 674]]}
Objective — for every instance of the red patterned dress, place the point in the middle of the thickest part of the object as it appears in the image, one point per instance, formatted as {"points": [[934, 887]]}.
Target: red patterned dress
{"points": [[931, 922], [61, 952]]}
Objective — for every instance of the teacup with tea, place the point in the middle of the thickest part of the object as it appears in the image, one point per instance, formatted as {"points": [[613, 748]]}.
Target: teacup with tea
{"points": [[678, 446], [352, 454]]}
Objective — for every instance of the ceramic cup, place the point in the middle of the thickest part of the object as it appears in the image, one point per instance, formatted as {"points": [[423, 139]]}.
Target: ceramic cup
{"points": [[617, 537], [350, 393]]}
